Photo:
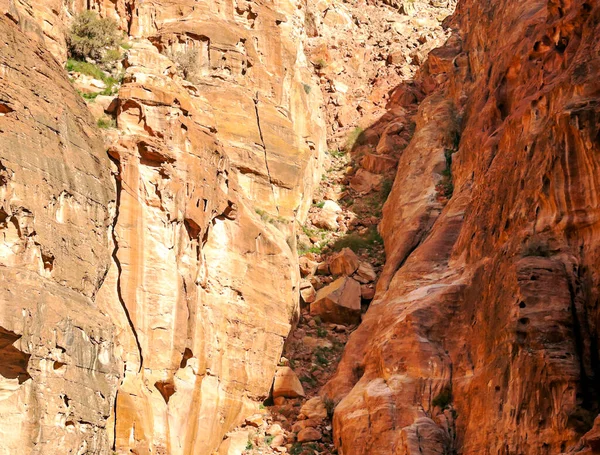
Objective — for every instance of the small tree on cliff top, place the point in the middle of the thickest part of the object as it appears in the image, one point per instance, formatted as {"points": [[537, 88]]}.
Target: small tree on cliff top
{"points": [[92, 36]]}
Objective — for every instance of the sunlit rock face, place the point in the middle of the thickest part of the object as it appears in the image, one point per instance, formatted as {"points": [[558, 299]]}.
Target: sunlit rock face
{"points": [[483, 335], [159, 270], [58, 369], [212, 176]]}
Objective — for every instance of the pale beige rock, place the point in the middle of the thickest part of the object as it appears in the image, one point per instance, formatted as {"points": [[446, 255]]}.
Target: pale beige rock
{"points": [[365, 273], [274, 429], [308, 293], [314, 409], [338, 302], [287, 384], [235, 443], [312, 343]]}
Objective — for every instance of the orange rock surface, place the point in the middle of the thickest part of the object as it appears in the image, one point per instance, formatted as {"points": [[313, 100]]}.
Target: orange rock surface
{"points": [[482, 337]]}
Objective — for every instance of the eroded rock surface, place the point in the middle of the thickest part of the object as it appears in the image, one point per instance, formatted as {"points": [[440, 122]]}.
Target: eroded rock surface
{"points": [[482, 336], [190, 273], [59, 371]]}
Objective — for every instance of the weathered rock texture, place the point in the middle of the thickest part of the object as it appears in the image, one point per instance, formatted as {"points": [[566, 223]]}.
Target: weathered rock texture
{"points": [[58, 369], [483, 337], [212, 176], [183, 292]]}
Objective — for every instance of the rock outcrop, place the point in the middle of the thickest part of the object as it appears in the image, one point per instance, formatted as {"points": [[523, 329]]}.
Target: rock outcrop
{"points": [[175, 279], [482, 337], [59, 370]]}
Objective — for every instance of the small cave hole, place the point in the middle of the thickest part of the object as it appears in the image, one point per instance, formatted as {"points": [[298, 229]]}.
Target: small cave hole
{"points": [[58, 365], [524, 321], [562, 44], [187, 355], [166, 389], [522, 305]]}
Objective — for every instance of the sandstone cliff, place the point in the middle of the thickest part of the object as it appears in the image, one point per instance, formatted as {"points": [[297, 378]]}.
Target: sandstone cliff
{"points": [[176, 277], [483, 337], [58, 369], [149, 276]]}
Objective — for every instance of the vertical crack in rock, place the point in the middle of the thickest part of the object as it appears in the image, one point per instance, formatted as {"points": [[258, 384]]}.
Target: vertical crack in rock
{"points": [[262, 140], [118, 263]]}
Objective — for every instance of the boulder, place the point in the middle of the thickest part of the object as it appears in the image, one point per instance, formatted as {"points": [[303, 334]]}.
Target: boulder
{"points": [[326, 219], [307, 267], [365, 273], [314, 409], [344, 263], [378, 164], [235, 443], [367, 291], [365, 182], [306, 423], [309, 434], [339, 302], [286, 384], [307, 292]]}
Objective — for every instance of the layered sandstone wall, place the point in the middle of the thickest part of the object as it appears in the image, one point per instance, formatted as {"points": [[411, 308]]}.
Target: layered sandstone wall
{"points": [[483, 335], [212, 178], [58, 368], [191, 279]]}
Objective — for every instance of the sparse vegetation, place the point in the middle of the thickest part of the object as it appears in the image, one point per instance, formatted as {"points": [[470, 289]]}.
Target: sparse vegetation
{"points": [[336, 153], [386, 189], [106, 122], [317, 248], [307, 88], [330, 406], [446, 186], [94, 37], [536, 247], [269, 439], [357, 242], [443, 399], [308, 380], [354, 138], [268, 218], [249, 444], [92, 70], [187, 62], [320, 64], [321, 355], [321, 332]]}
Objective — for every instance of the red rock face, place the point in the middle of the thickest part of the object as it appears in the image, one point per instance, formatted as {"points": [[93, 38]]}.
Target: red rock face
{"points": [[483, 337]]}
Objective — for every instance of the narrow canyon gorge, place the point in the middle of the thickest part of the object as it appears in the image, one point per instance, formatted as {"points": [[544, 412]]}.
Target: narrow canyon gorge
{"points": [[302, 227]]}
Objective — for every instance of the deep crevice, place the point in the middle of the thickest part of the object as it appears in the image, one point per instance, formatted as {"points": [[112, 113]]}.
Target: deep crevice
{"points": [[262, 140], [118, 262]]}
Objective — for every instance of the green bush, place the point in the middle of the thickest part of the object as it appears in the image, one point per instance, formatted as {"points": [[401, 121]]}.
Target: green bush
{"points": [[106, 122], [93, 37], [356, 242]]}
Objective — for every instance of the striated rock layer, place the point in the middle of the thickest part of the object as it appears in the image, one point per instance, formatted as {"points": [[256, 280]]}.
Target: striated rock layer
{"points": [[145, 312], [58, 369], [483, 337], [212, 176]]}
